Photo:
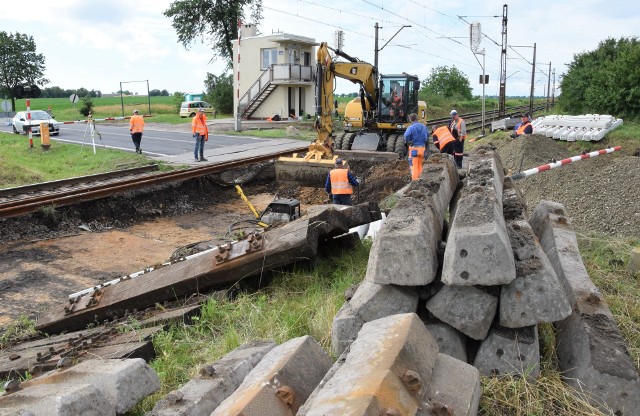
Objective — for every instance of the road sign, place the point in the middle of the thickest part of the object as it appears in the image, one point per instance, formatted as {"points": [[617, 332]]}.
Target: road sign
{"points": [[6, 105], [74, 98]]}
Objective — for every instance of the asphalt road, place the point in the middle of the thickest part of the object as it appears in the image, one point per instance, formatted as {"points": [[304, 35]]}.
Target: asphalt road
{"points": [[154, 142]]}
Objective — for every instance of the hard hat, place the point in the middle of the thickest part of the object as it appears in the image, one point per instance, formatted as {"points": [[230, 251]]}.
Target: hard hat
{"points": [[135, 111], [525, 115], [454, 112], [338, 162]]}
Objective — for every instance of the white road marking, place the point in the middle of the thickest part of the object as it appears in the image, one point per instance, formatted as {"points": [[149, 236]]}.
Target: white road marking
{"points": [[89, 144]]}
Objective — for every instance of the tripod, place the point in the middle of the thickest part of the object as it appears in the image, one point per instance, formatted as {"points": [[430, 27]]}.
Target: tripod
{"points": [[91, 128]]}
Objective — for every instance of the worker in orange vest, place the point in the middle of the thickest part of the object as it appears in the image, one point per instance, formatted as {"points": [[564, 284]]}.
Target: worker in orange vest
{"points": [[444, 140], [340, 183], [200, 133], [524, 127], [459, 126], [416, 137], [136, 127]]}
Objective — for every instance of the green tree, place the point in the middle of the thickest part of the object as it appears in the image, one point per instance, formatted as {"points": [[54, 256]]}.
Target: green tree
{"points": [[19, 63], [604, 81], [87, 106], [212, 21], [178, 98], [219, 91], [446, 82]]}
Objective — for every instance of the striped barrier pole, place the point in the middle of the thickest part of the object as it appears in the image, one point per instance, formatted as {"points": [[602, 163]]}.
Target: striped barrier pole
{"points": [[29, 121], [549, 166], [99, 119]]}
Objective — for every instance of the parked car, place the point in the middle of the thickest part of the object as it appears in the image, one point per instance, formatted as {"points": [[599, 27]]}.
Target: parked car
{"points": [[21, 124], [190, 108]]}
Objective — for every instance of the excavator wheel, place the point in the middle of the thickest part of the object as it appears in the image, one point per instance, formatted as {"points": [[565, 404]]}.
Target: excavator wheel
{"points": [[391, 142], [348, 141], [400, 149], [337, 144]]}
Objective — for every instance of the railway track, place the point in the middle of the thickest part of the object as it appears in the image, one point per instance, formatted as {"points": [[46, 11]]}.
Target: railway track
{"points": [[25, 204]]}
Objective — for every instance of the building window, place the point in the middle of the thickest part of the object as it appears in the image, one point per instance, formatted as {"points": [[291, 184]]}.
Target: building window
{"points": [[269, 57]]}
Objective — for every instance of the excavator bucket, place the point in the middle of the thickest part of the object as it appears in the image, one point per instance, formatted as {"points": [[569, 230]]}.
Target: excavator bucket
{"points": [[366, 141], [297, 171]]}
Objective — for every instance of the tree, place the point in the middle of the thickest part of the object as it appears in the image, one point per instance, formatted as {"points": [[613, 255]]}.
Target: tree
{"points": [[164, 93], [87, 106], [19, 63], [178, 98], [604, 81], [447, 82], [215, 22], [219, 91], [155, 93]]}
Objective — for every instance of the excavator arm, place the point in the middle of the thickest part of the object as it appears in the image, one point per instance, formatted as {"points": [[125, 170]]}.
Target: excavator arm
{"points": [[356, 71]]}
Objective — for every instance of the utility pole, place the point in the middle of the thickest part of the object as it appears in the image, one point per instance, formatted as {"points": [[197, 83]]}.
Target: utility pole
{"points": [[553, 91], [548, 89], [533, 80], [375, 48], [503, 63]]}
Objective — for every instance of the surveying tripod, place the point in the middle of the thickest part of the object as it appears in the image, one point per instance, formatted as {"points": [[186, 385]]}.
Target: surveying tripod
{"points": [[93, 131]]}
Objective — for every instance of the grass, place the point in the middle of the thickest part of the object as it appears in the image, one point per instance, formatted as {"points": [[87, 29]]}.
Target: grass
{"points": [[20, 165], [303, 133], [22, 327]]}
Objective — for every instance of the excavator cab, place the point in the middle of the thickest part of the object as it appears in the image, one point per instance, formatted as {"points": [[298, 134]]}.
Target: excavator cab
{"points": [[398, 98]]}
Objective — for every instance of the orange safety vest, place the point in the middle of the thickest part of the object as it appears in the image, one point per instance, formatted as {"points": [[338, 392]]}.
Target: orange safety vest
{"points": [[136, 124], [522, 127], [199, 124], [340, 182], [456, 125], [444, 137]]}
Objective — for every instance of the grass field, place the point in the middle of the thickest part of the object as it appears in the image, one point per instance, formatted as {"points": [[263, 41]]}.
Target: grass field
{"points": [[20, 165]]}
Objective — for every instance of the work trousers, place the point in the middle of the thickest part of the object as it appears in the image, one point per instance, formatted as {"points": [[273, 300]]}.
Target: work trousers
{"points": [[458, 153], [198, 152], [416, 157], [137, 138], [342, 199]]}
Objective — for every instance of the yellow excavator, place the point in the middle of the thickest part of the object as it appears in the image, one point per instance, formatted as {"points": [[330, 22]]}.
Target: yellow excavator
{"points": [[374, 122]]}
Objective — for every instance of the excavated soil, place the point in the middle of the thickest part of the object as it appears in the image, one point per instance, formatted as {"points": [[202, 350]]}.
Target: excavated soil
{"points": [[49, 255], [601, 194]]}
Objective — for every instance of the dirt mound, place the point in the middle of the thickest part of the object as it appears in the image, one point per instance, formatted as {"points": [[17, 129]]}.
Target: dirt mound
{"points": [[601, 194]]}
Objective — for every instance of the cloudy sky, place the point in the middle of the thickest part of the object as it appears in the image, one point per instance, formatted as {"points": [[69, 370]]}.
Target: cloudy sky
{"points": [[97, 44]]}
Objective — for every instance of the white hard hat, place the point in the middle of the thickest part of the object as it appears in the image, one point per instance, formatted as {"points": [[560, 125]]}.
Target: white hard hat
{"points": [[454, 112], [135, 111]]}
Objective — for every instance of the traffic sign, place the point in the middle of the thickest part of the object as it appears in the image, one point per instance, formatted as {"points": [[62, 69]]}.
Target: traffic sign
{"points": [[74, 98], [6, 105]]}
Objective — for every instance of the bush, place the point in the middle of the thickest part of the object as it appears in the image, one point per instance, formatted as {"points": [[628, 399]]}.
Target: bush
{"points": [[87, 106], [178, 98]]}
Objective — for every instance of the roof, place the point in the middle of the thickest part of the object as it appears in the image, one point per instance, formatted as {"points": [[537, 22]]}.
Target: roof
{"points": [[289, 38]]}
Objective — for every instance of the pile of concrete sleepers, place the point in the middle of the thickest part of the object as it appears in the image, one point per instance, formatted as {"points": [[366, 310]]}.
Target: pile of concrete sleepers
{"points": [[588, 127]]}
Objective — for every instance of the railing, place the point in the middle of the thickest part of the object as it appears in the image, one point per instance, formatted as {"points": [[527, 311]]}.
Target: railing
{"points": [[276, 73]]}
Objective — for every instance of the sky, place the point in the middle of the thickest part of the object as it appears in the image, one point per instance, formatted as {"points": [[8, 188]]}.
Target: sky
{"points": [[97, 44]]}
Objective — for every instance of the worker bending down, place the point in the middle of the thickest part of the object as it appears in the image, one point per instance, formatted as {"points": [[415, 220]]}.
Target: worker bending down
{"points": [[524, 127], [444, 140], [416, 137], [340, 183]]}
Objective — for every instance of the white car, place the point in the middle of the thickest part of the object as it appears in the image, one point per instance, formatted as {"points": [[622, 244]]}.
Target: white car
{"points": [[21, 124]]}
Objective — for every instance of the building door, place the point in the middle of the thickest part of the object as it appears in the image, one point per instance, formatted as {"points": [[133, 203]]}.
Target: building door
{"points": [[301, 106], [307, 59]]}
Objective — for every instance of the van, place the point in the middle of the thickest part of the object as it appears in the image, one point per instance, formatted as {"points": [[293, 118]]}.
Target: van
{"points": [[190, 108]]}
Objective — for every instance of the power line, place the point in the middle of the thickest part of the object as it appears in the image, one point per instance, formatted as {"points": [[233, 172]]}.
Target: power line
{"points": [[316, 21], [347, 12]]}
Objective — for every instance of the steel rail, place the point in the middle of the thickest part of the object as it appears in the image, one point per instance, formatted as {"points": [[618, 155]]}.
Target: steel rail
{"points": [[18, 190], [27, 206]]}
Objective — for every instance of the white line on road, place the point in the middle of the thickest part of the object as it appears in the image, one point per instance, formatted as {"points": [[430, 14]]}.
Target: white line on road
{"points": [[110, 147]]}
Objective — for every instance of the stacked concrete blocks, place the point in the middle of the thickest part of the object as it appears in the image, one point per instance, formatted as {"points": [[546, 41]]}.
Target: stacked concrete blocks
{"points": [[403, 255], [389, 369], [281, 382], [591, 352], [203, 394], [97, 387]]}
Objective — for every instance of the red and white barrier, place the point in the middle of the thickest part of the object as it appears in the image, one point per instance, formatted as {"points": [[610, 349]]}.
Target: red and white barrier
{"points": [[562, 162], [98, 119]]}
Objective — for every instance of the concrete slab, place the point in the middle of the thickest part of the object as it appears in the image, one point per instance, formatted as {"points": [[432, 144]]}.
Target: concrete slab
{"points": [[456, 384], [203, 394], [387, 368], [450, 341], [478, 250], [332, 371], [57, 400], [509, 351], [281, 382], [537, 295], [466, 308], [404, 251], [370, 301], [122, 382]]}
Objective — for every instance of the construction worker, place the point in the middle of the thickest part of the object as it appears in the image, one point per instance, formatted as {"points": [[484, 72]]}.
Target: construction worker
{"points": [[444, 140], [524, 127], [416, 137], [136, 127], [200, 133], [458, 125], [340, 183]]}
